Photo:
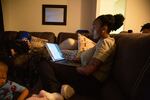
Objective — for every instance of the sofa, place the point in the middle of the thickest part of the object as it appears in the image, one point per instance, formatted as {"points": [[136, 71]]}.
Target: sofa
{"points": [[129, 77], [6, 38]]}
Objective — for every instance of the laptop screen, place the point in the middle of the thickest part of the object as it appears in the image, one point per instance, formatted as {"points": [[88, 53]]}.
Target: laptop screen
{"points": [[54, 51]]}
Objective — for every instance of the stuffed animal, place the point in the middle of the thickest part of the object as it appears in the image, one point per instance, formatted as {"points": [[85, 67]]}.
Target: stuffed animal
{"points": [[44, 95]]}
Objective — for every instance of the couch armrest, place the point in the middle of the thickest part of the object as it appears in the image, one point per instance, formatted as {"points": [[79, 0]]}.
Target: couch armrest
{"points": [[50, 36]]}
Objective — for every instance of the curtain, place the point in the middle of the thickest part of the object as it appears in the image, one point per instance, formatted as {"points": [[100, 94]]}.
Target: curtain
{"points": [[1, 19], [1, 25]]}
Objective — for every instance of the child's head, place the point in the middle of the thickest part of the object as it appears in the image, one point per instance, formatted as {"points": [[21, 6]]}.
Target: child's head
{"points": [[25, 37], [145, 28], [3, 73]]}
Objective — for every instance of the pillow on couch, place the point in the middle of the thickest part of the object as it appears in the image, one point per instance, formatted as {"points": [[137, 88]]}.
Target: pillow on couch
{"points": [[69, 44], [83, 50], [84, 44], [37, 42]]}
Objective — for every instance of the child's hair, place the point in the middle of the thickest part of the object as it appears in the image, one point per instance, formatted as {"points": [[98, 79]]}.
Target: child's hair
{"points": [[145, 26], [22, 35], [3, 64], [112, 21]]}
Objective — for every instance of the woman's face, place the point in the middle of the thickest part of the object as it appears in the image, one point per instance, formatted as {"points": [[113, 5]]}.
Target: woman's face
{"points": [[96, 30]]}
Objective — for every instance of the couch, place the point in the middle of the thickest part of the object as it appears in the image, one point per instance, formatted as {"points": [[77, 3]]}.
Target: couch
{"points": [[129, 77], [6, 38]]}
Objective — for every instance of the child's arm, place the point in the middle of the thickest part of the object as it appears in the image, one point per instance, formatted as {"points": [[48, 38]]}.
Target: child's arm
{"points": [[24, 94]]}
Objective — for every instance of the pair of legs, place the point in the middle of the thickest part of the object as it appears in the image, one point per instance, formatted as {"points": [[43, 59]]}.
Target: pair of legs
{"points": [[53, 75]]}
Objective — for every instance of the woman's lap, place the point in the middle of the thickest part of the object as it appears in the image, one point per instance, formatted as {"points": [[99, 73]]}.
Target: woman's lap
{"points": [[61, 74]]}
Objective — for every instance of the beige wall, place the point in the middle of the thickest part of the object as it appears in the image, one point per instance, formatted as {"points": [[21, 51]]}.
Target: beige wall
{"points": [[88, 13], [111, 7], [27, 15], [137, 14]]}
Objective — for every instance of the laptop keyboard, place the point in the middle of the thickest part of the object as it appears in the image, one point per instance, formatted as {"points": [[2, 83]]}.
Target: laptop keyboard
{"points": [[69, 62]]}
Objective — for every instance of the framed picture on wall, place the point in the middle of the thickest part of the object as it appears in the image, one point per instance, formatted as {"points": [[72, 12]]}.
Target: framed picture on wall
{"points": [[54, 14]]}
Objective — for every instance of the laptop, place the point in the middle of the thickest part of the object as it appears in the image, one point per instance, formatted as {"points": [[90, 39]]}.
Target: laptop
{"points": [[57, 56]]}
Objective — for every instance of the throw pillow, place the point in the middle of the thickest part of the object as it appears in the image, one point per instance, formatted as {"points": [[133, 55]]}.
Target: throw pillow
{"points": [[84, 44], [37, 42], [69, 44]]}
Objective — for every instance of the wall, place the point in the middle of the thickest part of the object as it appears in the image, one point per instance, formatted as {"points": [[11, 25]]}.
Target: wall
{"points": [[137, 14], [27, 15], [111, 7], [88, 13]]}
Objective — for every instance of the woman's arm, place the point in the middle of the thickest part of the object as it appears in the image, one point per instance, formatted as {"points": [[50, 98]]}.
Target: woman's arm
{"points": [[24, 94], [93, 65]]}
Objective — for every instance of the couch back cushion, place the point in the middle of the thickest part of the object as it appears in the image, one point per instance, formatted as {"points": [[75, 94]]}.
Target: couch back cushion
{"points": [[132, 52], [10, 35], [8, 38], [65, 35]]}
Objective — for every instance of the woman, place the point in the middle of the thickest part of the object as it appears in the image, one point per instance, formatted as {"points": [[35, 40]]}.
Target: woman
{"points": [[85, 79]]}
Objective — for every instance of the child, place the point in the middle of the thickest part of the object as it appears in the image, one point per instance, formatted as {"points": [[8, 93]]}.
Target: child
{"points": [[8, 88], [145, 28], [22, 44]]}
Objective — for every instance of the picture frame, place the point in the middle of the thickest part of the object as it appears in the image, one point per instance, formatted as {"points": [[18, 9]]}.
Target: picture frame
{"points": [[54, 14]]}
